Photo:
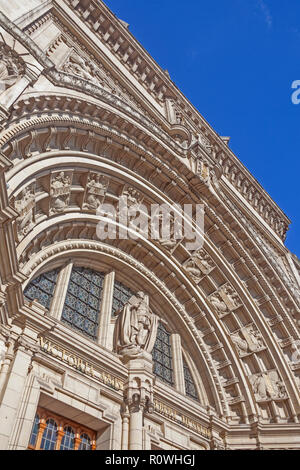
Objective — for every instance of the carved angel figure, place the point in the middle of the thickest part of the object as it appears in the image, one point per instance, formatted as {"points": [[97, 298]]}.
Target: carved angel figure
{"points": [[136, 327]]}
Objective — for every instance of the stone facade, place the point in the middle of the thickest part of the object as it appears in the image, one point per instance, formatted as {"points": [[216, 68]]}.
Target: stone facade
{"points": [[178, 349]]}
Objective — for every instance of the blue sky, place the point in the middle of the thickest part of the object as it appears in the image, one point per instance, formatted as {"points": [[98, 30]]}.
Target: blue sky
{"points": [[235, 60]]}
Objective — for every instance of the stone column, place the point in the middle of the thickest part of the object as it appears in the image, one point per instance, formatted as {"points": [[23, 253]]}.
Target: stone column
{"points": [[125, 429], [106, 310], [177, 363], [60, 292], [138, 397], [13, 391], [8, 357]]}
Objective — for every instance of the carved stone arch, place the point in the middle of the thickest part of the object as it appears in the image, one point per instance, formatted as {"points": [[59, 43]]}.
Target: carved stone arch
{"points": [[164, 302], [222, 338]]}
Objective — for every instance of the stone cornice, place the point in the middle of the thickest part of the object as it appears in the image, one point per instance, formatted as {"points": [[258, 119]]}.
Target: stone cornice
{"points": [[221, 151]]}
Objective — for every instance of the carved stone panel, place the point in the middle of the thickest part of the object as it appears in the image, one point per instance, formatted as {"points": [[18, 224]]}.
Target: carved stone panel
{"points": [[12, 67], [268, 386], [198, 265], [95, 191], [225, 300], [60, 190], [248, 340], [25, 206]]}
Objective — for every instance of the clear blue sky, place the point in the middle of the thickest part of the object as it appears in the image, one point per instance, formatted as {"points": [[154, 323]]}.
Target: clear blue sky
{"points": [[235, 60]]}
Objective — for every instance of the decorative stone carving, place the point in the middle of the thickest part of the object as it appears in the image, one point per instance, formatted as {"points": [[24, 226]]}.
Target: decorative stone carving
{"points": [[248, 340], [134, 197], [76, 65], [95, 191], [268, 386], [60, 192], [25, 206], [199, 264], [136, 327], [11, 67], [225, 300]]}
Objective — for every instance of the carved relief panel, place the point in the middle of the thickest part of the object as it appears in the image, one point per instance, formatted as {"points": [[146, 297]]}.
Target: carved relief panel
{"points": [[25, 206], [95, 191], [199, 265], [225, 300], [60, 190]]}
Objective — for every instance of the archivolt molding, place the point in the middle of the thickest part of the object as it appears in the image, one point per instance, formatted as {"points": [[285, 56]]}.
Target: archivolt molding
{"points": [[227, 275], [223, 340]]}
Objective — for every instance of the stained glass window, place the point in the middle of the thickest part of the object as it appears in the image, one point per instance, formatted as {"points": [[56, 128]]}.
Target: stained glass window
{"points": [[121, 295], [67, 442], [85, 443], [49, 435], [35, 430], [162, 355], [82, 304], [190, 388], [42, 288]]}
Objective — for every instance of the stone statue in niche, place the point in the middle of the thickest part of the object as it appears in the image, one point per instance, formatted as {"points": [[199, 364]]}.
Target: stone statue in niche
{"points": [[25, 205], [136, 327], [199, 264], [218, 304], [95, 191], [60, 192], [10, 68], [268, 386]]}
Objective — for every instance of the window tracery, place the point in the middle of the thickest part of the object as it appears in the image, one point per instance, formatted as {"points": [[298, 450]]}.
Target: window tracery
{"points": [[162, 355]]}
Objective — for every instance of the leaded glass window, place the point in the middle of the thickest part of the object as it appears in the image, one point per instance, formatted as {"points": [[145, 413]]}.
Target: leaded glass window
{"points": [[42, 288], [190, 387], [85, 443], [49, 435], [67, 442], [35, 430], [121, 295], [82, 305], [162, 355]]}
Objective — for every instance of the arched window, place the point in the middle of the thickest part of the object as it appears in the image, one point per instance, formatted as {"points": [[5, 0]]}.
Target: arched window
{"points": [[162, 355], [121, 295], [82, 305], [85, 443], [67, 442], [35, 431], [42, 288], [190, 387], [49, 435]]}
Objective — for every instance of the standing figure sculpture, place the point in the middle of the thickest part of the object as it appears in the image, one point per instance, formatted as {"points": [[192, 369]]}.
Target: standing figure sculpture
{"points": [[136, 327]]}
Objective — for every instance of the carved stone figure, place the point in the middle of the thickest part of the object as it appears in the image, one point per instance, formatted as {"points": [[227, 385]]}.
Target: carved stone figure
{"points": [[134, 197], [199, 264], [25, 205], [136, 327], [95, 191], [218, 304], [268, 385], [60, 192], [76, 65], [248, 340], [240, 343], [10, 68]]}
